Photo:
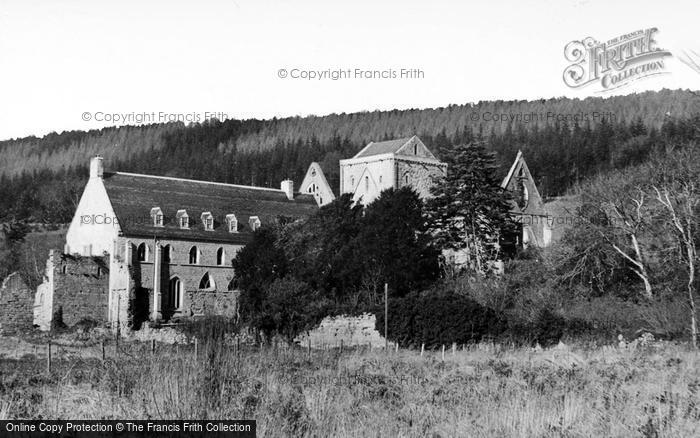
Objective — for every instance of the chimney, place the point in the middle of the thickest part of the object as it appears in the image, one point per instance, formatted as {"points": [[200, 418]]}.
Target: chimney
{"points": [[287, 186], [96, 167]]}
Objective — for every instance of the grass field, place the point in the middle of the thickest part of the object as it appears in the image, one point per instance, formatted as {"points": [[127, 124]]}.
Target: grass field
{"points": [[648, 389]]}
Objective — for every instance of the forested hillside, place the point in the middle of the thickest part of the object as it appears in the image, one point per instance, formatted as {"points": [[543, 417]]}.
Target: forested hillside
{"points": [[41, 178]]}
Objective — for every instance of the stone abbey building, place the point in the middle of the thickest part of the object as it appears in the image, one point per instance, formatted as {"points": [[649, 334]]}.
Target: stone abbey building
{"points": [[149, 248]]}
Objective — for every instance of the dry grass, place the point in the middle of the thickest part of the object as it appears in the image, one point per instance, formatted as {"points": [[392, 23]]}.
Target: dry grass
{"points": [[488, 390]]}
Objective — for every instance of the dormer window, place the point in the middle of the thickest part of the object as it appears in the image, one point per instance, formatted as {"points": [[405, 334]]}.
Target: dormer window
{"points": [[183, 220], [157, 216], [232, 223], [254, 222], [208, 221]]}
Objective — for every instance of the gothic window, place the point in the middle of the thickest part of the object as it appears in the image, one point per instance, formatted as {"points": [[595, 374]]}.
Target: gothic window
{"points": [[142, 252], [175, 293], [233, 285], [405, 177], [366, 183], [207, 282], [167, 249], [415, 149], [522, 193], [220, 256], [194, 256]]}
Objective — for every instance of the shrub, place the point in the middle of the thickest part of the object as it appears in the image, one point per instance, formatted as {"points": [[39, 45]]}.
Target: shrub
{"points": [[437, 319], [209, 328]]}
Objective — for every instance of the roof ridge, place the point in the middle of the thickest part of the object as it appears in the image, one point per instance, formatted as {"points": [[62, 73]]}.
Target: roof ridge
{"points": [[170, 178]]}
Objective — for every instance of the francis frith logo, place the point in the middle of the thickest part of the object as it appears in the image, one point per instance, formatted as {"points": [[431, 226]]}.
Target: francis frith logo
{"points": [[614, 63]]}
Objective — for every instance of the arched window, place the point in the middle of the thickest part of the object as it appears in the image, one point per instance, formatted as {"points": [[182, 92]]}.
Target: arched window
{"points": [[415, 149], [194, 256], [366, 183], [233, 284], [175, 293], [405, 177], [142, 252], [220, 256], [207, 282], [167, 253], [522, 196]]}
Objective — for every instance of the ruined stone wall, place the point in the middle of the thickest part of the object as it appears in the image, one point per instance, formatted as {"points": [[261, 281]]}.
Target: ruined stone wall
{"points": [[203, 302], [221, 299], [418, 175], [352, 330], [81, 288], [534, 220], [43, 299], [16, 303]]}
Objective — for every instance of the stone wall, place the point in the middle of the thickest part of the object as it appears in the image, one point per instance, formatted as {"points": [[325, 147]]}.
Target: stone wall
{"points": [[352, 330], [203, 302], [420, 175], [81, 289], [43, 299], [16, 303]]}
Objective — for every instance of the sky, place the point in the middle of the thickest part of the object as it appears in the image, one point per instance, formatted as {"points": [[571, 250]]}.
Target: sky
{"points": [[78, 64]]}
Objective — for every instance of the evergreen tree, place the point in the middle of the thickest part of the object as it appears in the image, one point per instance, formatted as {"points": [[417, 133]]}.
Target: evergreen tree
{"points": [[470, 211], [394, 240]]}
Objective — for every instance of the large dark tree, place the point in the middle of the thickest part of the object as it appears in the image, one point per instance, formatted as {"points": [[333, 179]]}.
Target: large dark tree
{"points": [[394, 242], [257, 266], [469, 211]]}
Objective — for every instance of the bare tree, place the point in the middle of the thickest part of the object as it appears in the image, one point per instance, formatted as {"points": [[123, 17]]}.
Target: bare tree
{"points": [[681, 202], [621, 215]]}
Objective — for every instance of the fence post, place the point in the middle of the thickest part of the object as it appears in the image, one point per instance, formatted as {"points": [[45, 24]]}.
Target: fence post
{"points": [[386, 317], [454, 348], [48, 357], [443, 352], [309, 346], [396, 350], [153, 346], [422, 349]]}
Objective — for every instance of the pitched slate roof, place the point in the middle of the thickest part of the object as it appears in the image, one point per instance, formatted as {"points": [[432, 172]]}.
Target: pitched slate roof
{"points": [[382, 147], [133, 196]]}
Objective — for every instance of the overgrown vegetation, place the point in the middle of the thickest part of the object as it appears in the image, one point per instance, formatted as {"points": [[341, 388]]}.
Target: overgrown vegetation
{"points": [[639, 388], [633, 246]]}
